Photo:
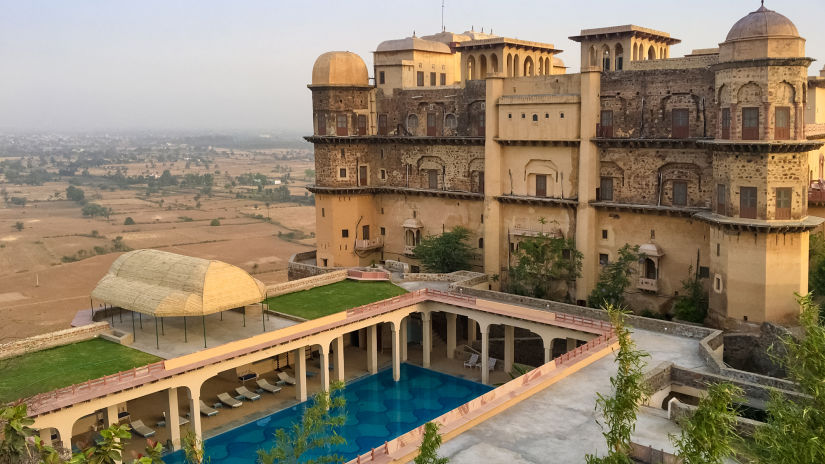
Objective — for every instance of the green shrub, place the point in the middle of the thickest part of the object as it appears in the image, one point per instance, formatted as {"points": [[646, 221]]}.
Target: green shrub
{"points": [[215, 222], [129, 222]]}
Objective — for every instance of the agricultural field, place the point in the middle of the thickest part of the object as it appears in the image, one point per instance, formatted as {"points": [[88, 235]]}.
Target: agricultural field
{"points": [[249, 208]]}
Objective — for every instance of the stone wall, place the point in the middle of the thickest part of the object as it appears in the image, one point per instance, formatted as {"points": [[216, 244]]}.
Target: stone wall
{"points": [[678, 411], [52, 339], [300, 270], [306, 283], [749, 352], [687, 62]]}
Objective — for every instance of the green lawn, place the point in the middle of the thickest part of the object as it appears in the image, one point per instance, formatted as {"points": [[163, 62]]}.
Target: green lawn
{"points": [[332, 298], [46, 370]]}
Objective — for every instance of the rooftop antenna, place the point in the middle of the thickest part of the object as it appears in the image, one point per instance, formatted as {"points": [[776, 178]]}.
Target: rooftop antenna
{"points": [[442, 16]]}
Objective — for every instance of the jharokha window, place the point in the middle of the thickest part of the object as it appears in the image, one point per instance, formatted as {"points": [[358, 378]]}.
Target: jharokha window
{"points": [[679, 193], [362, 124], [726, 123], [606, 124], [783, 203], [681, 123], [782, 123], [750, 123], [747, 202]]}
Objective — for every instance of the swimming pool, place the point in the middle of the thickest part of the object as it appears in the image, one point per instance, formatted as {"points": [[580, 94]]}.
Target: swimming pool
{"points": [[378, 410]]}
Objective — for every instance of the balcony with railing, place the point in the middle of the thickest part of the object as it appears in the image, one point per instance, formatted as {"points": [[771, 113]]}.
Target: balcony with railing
{"points": [[371, 244], [649, 285]]}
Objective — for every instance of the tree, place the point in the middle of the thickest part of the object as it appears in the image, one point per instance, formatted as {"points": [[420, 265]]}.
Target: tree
{"points": [[795, 429], [75, 194], [109, 449], [315, 433], [543, 261], [614, 279], [16, 430], [129, 221], [629, 390], [445, 253], [428, 451], [95, 210], [215, 222], [193, 450], [18, 225], [692, 303], [709, 434]]}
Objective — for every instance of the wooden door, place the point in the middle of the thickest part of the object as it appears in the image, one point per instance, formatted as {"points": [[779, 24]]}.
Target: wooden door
{"points": [[681, 123], [431, 125], [750, 123], [362, 175], [362, 124], [783, 203], [365, 232], [747, 202], [541, 185], [606, 124], [322, 124], [433, 179], [341, 125], [783, 123], [382, 124]]}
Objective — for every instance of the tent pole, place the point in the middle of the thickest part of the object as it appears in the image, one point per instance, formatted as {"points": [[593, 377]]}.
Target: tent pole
{"points": [[244, 316], [113, 315], [92, 305], [203, 319], [221, 315], [263, 316], [134, 333], [120, 314], [140, 316], [157, 339], [162, 330], [184, 330]]}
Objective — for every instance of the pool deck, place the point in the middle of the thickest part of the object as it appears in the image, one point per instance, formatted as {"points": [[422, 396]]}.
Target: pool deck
{"points": [[561, 420]]}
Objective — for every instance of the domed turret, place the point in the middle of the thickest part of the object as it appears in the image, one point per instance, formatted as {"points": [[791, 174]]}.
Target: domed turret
{"points": [[339, 69], [762, 23], [762, 34]]}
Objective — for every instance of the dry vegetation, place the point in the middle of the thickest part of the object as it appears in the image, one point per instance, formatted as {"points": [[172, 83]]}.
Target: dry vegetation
{"points": [[50, 262]]}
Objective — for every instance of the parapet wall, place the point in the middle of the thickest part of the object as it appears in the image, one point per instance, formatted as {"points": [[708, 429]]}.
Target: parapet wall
{"points": [[298, 268], [52, 339], [306, 283], [687, 62]]}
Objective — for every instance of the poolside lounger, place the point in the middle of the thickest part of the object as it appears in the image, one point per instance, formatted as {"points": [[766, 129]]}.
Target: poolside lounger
{"points": [[207, 410], [181, 420], [266, 386], [229, 401], [472, 362], [492, 364], [141, 429], [251, 396], [286, 378]]}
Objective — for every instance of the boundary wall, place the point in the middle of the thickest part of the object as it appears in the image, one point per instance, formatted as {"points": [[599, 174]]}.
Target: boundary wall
{"points": [[52, 339]]}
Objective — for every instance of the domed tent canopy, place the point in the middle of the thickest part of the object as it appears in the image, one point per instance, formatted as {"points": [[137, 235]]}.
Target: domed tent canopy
{"points": [[163, 284]]}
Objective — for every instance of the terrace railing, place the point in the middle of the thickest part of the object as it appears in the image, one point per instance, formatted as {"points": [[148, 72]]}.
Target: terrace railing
{"points": [[63, 397]]}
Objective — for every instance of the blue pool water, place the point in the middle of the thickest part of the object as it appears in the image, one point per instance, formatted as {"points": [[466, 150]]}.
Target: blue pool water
{"points": [[378, 410]]}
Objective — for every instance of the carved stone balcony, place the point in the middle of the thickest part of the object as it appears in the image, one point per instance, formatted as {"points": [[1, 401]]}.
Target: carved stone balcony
{"points": [[371, 244], [409, 250], [649, 285]]}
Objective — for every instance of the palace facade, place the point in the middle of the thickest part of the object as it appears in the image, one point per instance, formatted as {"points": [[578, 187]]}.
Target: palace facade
{"points": [[706, 161]]}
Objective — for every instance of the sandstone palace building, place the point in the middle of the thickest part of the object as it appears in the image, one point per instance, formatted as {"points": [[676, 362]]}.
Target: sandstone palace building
{"points": [[705, 161]]}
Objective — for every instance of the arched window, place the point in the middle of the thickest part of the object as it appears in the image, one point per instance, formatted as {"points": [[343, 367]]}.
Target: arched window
{"points": [[528, 66], [619, 57], [493, 63], [651, 53], [509, 65], [412, 124], [482, 66], [650, 269], [547, 67], [635, 52], [409, 238], [450, 121], [516, 66]]}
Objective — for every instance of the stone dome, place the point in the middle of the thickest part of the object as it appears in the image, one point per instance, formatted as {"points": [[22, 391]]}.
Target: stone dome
{"points": [[340, 68], [760, 24]]}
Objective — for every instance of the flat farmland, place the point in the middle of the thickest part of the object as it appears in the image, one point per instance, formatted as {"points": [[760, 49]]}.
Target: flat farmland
{"points": [[51, 256]]}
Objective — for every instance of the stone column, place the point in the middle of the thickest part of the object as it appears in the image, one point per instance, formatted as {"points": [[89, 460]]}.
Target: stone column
{"points": [[173, 417], [195, 412], [301, 374], [396, 352], [485, 355], [471, 331], [338, 355], [372, 349], [426, 338], [451, 335], [46, 436], [324, 351], [509, 347], [403, 340], [548, 354], [64, 432], [571, 344]]}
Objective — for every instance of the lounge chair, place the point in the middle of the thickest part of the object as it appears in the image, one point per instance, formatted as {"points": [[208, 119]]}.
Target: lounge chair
{"points": [[472, 362], [492, 364], [141, 429], [248, 395], [181, 420], [266, 386], [208, 411], [229, 401], [286, 378]]}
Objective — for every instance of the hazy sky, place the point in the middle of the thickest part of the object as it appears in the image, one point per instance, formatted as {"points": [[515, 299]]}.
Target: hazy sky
{"points": [[244, 65]]}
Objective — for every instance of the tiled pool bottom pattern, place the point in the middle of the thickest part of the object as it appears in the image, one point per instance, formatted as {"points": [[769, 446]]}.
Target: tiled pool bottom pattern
{"points": [[378, 410]]}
